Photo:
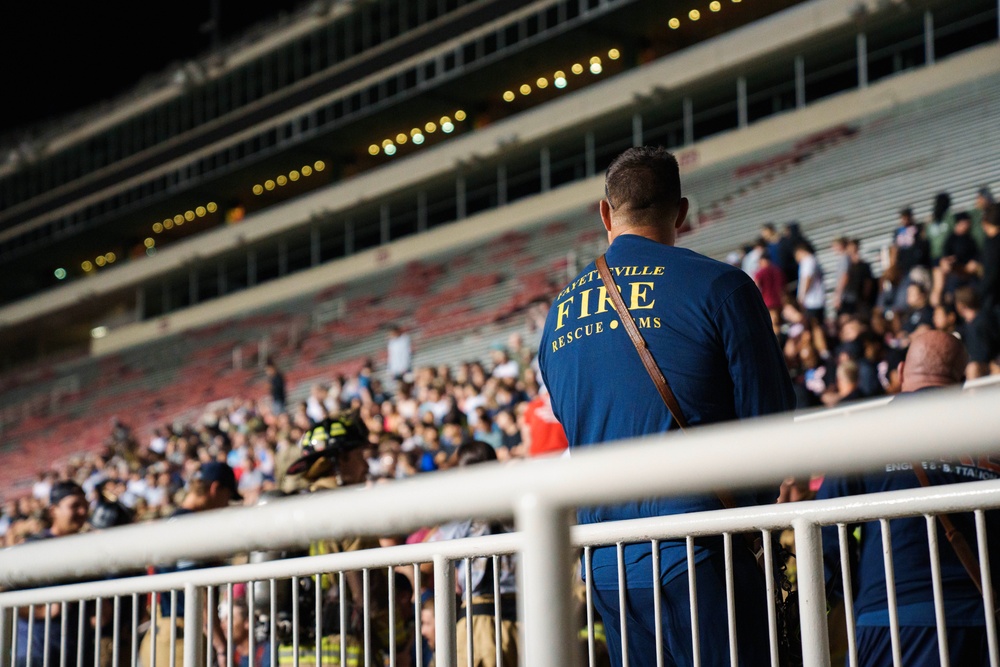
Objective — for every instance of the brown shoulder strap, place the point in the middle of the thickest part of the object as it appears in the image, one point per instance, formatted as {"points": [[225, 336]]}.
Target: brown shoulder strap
{"points": [[955, 536], [640, 344]]}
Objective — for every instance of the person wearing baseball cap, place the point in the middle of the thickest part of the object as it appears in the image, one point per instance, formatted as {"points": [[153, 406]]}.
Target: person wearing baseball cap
{"points": [[212, 486], [67, 513]]}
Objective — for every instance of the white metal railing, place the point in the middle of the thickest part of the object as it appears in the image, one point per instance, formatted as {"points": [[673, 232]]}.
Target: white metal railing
{"points": [[539, 494]]}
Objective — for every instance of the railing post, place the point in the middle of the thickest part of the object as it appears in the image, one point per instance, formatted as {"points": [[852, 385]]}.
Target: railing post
{"points": [[445, 647], [5, 635], [544, 582], [812, 593], [193, 621]]}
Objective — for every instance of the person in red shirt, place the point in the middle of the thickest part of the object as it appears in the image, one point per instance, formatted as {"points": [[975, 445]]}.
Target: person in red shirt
{"points": [[543, 434], [771, 282]]}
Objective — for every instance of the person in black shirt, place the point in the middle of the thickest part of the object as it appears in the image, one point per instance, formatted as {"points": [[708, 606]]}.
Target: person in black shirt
{"points": [[959, 263], [989, 284], [277, 382], [978, 331], [859, 290]]}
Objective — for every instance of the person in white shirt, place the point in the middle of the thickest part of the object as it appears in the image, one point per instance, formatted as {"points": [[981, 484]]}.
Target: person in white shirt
{"points": [[400, 353], [811, 293]]}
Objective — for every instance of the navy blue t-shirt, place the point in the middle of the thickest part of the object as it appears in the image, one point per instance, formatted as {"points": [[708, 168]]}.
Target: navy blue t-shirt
{"points": [[910, 552], [709, 331]]}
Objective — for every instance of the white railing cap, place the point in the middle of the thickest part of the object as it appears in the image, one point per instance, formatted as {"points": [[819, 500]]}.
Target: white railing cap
{"points": [[746, 454]]}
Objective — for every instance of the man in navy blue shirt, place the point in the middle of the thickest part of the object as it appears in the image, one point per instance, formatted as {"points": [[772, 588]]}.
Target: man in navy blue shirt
{"points": [[710, 333], [934, 359]]}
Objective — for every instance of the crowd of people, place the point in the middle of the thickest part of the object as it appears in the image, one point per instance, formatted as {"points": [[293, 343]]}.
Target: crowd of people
{"points": [[843, 335], [414, 420]]}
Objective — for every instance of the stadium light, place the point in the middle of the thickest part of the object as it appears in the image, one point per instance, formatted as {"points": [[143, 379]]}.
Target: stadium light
{"points": [[319, 165], [674, 24], [694, 15], [293, 175], [99, 332], [60, 273], [282, 180], [614, 54], [715, 6], [508, 96], [577, 68]]}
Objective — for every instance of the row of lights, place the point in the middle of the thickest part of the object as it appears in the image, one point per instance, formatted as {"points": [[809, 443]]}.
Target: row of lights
{"points": [[417, 134], [559, 78], [188, 216], [694, 14], [295, 174], [88, 266]]}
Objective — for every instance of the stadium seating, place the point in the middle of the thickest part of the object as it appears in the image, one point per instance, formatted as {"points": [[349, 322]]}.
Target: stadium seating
{"points": [[842, 181]]}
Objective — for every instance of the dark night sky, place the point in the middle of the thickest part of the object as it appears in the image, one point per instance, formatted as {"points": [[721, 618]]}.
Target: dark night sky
{"points": [[59, 57]]}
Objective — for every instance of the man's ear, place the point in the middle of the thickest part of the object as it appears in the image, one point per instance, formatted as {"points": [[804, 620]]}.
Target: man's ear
{"points": [[606, 214], [682, 212]]}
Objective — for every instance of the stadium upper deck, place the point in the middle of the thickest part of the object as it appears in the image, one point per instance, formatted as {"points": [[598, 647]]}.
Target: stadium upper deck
{"points": [[349, 93]]}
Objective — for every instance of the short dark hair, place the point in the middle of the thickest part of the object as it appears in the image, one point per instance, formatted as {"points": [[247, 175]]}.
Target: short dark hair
{"points": [[966, 296], [644, 177], [475, 451]]}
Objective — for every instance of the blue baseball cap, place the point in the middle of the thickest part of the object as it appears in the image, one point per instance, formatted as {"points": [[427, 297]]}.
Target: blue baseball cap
{"points": [[216, 471]]}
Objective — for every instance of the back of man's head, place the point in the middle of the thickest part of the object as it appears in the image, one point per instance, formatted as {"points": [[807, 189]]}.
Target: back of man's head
{"points": [[934, 359], [644, 178]]}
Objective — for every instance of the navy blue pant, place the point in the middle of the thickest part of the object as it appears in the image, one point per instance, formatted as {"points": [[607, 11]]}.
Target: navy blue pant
{"points": [[713, 624], [966, 646]]}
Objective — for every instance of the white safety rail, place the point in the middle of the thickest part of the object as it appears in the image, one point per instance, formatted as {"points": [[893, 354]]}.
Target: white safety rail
{"points": [[540, 496]]}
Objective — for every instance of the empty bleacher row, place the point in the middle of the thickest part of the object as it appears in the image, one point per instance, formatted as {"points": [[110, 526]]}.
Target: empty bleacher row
{"points": [[847, 180]]}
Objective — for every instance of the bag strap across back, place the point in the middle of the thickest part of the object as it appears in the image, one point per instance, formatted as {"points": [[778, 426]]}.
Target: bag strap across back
{"points": [[640, 344], [955, 536]]}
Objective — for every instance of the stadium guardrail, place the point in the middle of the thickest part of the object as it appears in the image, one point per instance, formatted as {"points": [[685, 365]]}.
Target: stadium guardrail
{"points": [[539, 495]]}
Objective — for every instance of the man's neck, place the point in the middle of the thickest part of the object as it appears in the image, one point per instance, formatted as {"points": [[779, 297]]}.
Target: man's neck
{"points": [[653, 233]]}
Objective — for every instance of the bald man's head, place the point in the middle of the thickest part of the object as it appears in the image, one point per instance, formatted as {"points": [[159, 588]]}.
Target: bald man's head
{"points": [[934, 359]]}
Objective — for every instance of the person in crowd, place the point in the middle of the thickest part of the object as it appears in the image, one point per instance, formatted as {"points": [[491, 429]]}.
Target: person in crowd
{"points": [[770, 281], [810, 292], [909, 247], [959, 264], [791, 237], [979, 330], [721, 367], [989, 283], [211, 487], [839, 249], [858, 287], [276, 383], [934, 361], [67, 514], [984, 200], [918, 311], [482, 595], [399, 353], [939, 226]]}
